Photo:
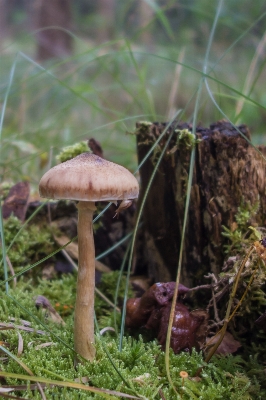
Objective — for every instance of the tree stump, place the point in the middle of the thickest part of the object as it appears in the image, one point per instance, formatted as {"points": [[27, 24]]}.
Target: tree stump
{"points": [[228, 172]]}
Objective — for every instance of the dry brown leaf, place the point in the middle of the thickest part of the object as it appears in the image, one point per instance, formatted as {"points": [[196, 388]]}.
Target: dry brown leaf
{"points": [[43, 302], [95, 147], [228, 346], [16, 202]]}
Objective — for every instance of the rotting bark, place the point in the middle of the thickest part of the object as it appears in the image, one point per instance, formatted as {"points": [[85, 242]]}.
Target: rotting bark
{"points": [[228, 171]]}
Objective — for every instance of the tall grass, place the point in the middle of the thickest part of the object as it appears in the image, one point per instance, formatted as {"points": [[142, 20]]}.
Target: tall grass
{"points": [[103, 90]]}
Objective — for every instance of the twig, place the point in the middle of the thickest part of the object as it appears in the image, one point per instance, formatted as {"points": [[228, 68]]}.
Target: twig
{"points": [[161, 394], [216, 315], [222, 331], [11, 270], [210, 286]]}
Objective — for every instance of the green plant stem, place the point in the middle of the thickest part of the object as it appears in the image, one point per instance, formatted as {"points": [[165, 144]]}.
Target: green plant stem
{"points": [[222, 331], [3, 249], [244, 295]]}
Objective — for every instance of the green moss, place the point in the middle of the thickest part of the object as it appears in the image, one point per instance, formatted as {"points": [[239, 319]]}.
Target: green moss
{"points": [[108, 286], [138, 369], [240, 242], [237, 236], [72, 151], [5, 188], [109, 283], [31, 244], [144, 124], [186, 138]]}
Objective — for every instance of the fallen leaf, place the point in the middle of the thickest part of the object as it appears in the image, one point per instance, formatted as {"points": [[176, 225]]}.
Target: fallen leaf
{"points": [[228, 346], [16, 202], [43, 302], [95, 147]]}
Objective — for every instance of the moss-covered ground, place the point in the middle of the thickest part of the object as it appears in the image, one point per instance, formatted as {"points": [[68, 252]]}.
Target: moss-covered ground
{"points": [[138, 369]]}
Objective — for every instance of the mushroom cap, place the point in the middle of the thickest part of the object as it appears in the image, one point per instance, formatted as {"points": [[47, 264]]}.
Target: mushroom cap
{"points": [[88, 177]]}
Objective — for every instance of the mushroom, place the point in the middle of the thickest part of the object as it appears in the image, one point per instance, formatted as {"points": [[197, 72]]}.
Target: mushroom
{"points": [[87, 178]]}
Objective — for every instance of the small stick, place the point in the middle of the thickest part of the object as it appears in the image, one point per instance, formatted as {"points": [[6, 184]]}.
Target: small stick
{"points": [[11, 270], [215, 307]]}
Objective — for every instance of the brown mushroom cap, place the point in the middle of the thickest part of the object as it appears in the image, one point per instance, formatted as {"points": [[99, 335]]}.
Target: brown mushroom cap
{"points": [[88, 177]]}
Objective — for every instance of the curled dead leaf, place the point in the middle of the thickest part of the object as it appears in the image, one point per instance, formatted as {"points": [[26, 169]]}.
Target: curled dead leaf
{"points": [[43, 302]]}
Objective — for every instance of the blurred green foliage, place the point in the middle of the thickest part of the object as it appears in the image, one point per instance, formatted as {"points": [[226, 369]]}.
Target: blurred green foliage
{"points": [[32, 244], [104, 88]]}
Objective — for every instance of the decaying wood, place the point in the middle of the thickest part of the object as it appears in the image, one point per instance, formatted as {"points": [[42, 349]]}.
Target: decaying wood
{"points": [[228, 172], [16, 202]]}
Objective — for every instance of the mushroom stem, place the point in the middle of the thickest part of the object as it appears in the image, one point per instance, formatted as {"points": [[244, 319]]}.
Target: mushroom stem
{"points": [[84, 311]]}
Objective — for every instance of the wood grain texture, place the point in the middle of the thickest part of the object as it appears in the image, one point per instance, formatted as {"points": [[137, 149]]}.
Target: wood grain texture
{"points": [[228, 171]]}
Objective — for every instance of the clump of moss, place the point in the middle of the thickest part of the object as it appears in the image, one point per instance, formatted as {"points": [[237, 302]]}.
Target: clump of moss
{"points": [[139, 369], [109, 285], [4, 189], [250, 290], [236, 234], [186, 138], [72, 151], [113, 285], [30, 245]]}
